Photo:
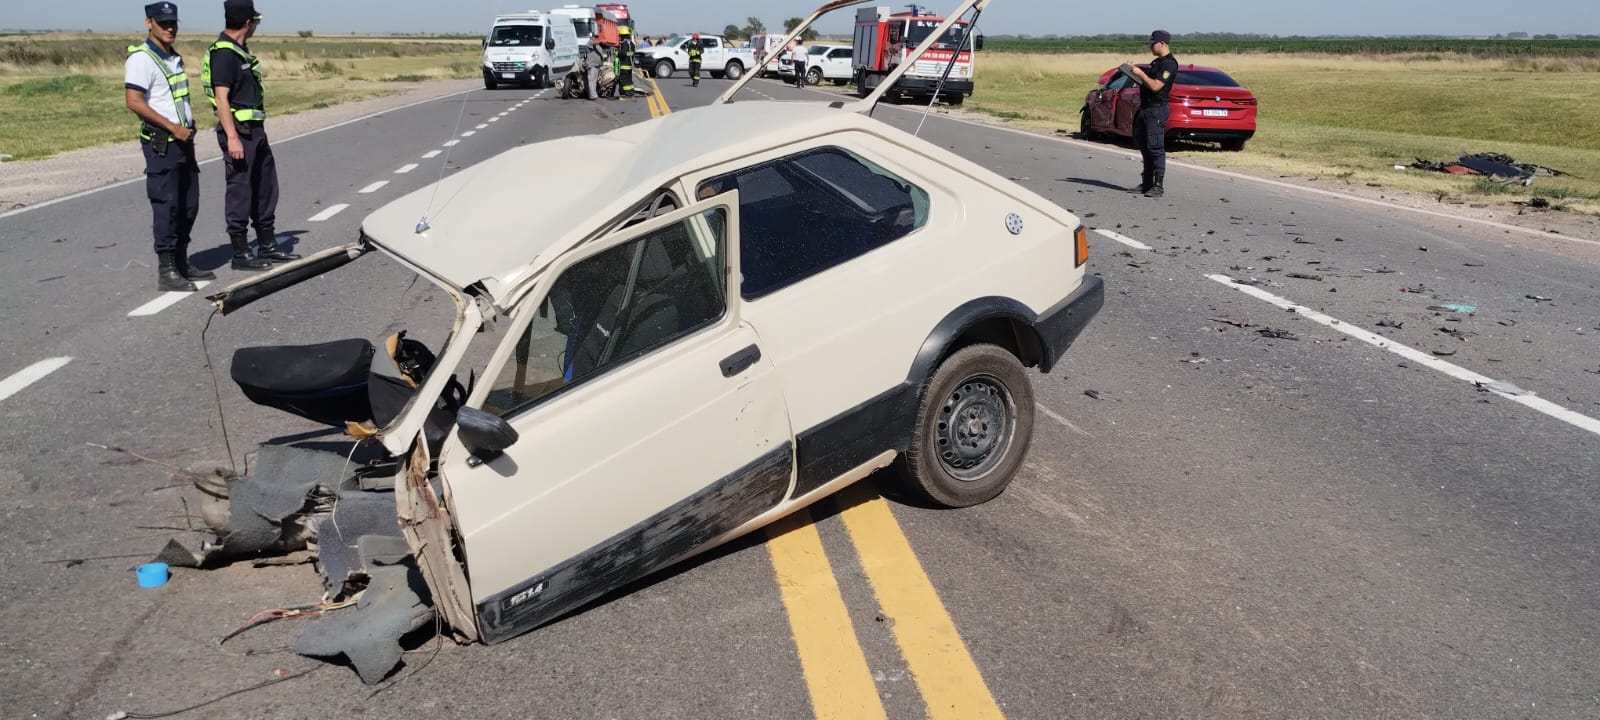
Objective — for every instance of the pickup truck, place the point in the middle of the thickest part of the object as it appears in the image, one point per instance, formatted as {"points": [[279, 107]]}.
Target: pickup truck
{"points": [[718, 58]]}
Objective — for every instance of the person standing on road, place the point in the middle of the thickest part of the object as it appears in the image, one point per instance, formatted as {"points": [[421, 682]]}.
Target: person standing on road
{"points": [[594, 63], [156, 89], [695, 55], [232, 78], [1150, 124], [797, 55], [625, 60]]}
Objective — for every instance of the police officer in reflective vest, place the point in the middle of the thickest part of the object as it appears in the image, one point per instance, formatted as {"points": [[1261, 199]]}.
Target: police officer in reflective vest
{"points": [[695, 54], [625, 52], [1150, 124], [157, 90], [232, 78]]}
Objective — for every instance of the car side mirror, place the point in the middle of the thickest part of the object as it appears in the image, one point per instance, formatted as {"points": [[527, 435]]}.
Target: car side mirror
{"points": [[977, 43], [550, 43], [484, 434], [486, 42]]}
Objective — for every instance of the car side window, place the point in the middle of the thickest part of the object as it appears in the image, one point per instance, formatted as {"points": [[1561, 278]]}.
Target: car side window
{"points": [[708, 43], [615, 306], [803, 214], [841, 53]]}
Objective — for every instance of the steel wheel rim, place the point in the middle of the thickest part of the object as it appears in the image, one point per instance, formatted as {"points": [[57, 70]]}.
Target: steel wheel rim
{"points": [[975, 427]]}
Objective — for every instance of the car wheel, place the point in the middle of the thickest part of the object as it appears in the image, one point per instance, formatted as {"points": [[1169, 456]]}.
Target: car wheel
{"points": [[1233, 145], [735, 71], [814, 76], [974, 424], [488, 82], [664, 69], [541, 79], [717, 74], [955, 99]]}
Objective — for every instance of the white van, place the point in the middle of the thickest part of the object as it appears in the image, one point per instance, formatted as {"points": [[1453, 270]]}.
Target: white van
{"points": [[529, 48], [582, 22]]}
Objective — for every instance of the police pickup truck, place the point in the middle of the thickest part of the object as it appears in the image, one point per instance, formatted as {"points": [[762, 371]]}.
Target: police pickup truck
{"points": [[718, 58]]}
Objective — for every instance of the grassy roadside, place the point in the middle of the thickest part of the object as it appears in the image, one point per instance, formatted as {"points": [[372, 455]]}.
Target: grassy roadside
{"points": [[1351, 119], [64, 92]]}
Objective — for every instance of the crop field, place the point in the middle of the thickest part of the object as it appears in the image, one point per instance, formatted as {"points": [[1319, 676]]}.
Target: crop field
{"points": [[62, 92], [1351, 118], [1497, 48]]}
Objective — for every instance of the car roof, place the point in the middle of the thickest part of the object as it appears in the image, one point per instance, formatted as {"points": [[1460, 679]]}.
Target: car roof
{"points": [[504, 219]]}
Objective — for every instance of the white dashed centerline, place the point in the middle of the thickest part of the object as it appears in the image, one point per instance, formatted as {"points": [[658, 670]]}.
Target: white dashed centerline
{"points": [[481, 126], [452, 143], [374, 187], [408, 167], [167, 299], [431, 154], [30, 375], [329, 213], [1505, 390], [1124, 239], [494, 119], [469, 133]]}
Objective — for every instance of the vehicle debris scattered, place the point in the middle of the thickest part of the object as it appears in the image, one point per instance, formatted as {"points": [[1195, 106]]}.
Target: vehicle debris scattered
{"points": [[1497, 167]]}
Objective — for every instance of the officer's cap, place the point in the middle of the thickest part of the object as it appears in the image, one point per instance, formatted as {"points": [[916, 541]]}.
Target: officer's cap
{"points": [[238, 11], [1161, 36], [161, 12]]}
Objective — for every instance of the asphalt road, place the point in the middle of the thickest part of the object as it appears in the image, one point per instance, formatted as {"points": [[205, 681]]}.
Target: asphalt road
{"points": [[1214, 523]]}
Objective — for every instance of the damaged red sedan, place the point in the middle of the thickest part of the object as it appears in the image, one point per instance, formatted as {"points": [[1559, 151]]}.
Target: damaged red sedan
{"points": [[1206, 105]]}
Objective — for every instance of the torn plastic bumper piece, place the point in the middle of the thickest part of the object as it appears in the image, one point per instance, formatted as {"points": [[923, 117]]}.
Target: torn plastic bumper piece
{"points": [[285, 276]]}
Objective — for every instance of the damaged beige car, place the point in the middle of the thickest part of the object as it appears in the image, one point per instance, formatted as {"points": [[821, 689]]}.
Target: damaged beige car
{"points": [[768, 313]]}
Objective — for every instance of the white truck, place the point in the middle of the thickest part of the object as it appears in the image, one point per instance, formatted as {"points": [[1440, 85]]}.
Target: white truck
{"points": [[582, 21], [717, 58], [530, 48]]}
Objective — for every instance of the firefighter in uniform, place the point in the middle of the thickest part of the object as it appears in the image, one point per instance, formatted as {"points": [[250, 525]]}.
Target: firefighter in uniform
{"points": [[1150, 124], [625, 51], [157, 91], [232, 78], [695, 54]]}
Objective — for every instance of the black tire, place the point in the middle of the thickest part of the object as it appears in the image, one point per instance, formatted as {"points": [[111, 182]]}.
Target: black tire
{"points": [[840, 81], [861, 85], [735, 70], [488, 81], [956, 99], [541, 78], [960, 464], [1085, 130], [814, 76], [716, 74], [1233, 145], [663, 69]]}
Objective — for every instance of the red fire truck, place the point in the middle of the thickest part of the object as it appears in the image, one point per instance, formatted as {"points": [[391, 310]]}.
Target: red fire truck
{"points": [[884, 40], [619, 13]]}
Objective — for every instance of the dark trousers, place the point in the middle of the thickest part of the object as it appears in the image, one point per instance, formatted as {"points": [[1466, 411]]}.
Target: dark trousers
{"points": [[799, 75], [694, 71], [172, 180], [1150, 134], [252, 195]]}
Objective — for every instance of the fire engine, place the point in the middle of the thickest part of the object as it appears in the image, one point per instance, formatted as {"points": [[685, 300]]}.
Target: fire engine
{"points": [[884, 40], [619, 13]]}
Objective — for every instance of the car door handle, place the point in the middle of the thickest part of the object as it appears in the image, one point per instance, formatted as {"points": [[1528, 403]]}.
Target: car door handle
{"points": [[740, 361]]}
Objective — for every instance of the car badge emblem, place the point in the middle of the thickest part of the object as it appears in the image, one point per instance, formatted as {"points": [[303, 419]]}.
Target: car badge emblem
{"points": [[1219, 98], [1014, 223]]}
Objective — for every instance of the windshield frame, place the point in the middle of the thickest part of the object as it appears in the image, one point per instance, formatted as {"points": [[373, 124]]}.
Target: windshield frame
{"points": [[537, 41], [917, 29]]}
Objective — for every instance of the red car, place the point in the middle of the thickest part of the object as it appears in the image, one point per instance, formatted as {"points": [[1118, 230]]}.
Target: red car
{"points": [[1205, 105]]}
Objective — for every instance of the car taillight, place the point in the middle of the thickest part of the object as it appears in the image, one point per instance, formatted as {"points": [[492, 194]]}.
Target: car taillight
{"points": [[1082, 253]]}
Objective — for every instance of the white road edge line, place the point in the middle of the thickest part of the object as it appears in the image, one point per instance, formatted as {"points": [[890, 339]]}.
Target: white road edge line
{"points": [[30, 375], [374, 187], [1576, 419], [1124, 239], [431, 154], [1058, 417], [1263, 181], [408, 167], [291, 138], [167, 299], [330, 212]]}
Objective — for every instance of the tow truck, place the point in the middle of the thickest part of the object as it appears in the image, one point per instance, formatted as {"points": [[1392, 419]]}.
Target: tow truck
{"points": [[884, 40]]}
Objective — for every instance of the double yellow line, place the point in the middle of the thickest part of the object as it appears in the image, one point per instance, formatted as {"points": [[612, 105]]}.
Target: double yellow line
{"points": [[836, 670], [657, 101]]}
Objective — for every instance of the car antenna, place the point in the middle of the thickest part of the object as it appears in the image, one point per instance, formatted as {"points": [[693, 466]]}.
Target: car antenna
{"points": [[966, 39]]}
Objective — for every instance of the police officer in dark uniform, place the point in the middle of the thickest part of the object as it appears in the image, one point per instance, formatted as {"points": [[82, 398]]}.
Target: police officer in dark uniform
{"points": [[157, 91], [232, 78], [695, 55], [1150, 125]]}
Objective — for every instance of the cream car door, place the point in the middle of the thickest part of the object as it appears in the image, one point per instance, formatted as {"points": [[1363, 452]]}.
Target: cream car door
{"points": [[650, 424]]}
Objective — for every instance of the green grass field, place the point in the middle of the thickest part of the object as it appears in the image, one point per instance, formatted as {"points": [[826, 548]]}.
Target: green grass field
{"points": [[1316, 46], [1352, 118], [64, 92]]}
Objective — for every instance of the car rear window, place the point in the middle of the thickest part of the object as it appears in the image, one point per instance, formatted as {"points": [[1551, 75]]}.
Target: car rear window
{"points": [[1209, 78]]}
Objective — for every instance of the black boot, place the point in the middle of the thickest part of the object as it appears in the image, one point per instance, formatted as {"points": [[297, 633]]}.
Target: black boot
{"points": [[1155, 189], [242, 259], [189, 271], [167, 277], [270, 251]]}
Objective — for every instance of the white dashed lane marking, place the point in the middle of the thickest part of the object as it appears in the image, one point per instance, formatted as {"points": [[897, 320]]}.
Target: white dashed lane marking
{"points": [[469, 133], [431, 154], [167, 299], [452, 143], [30, 375], [329, 213], [481, 126], [1506, 390], [374, 187], [408, 167], [1124, 239]]}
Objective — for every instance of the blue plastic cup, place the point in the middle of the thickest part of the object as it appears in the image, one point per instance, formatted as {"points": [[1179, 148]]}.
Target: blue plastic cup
{"points": [[152, 575]]}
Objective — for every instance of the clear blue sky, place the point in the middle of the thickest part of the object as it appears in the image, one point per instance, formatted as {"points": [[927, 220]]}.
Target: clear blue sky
{"points": [[1037, 17]]}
